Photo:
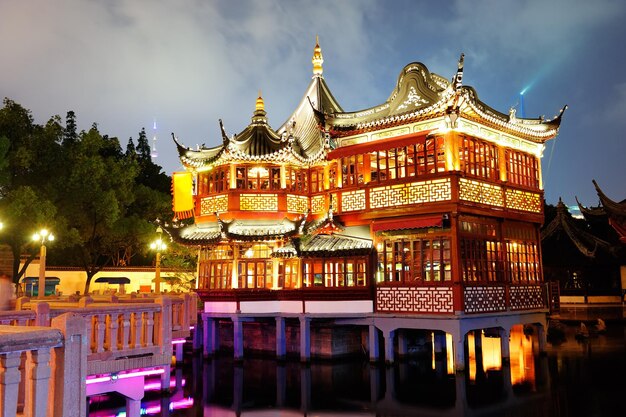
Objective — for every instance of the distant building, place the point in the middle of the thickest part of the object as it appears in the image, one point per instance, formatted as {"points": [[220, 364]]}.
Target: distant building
{"points": [[428, 204]]}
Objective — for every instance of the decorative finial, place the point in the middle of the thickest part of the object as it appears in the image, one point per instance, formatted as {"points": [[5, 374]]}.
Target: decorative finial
{"points": [[317, 60], [260, 104]]}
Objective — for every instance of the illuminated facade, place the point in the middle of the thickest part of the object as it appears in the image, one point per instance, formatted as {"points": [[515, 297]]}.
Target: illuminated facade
{"points": [[429, 203]]}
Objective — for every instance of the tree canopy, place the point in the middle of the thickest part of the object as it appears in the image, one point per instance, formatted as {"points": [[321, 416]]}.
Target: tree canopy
{"points": [[101, 201]]}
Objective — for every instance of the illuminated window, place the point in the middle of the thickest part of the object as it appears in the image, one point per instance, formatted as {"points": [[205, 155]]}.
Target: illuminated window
{"points": [[335, 273], [414, 259], [478, 158], [423, 158], [317, 180], [481, 250], [288, 272], [522, 169], [352, 169], [297, 180], [522, 254]]}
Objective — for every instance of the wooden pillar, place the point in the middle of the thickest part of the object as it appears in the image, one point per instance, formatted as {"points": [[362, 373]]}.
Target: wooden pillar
{"points": [[305, 338], [504, 176], [281, 343]]}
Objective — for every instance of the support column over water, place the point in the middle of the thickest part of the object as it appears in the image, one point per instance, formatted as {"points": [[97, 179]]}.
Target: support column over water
{"points": [[403, 348], [389, 334], [237, 338], [373, 343], [305, 338], [210, 336], [281, 343], [458, 344], [505, 344], [542, 337]]}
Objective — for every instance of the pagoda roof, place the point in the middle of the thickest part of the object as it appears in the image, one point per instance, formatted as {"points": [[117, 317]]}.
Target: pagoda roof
{"points": [[563, 223], [613, 210], [420, 95], [325, 245]]}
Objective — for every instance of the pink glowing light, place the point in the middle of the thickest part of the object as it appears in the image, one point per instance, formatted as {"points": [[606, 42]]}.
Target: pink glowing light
{"points": [[178, 341], [106, 378]]}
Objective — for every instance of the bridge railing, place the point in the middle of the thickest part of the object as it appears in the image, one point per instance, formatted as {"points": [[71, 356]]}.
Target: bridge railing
{"points": [[51, 381], [119, 336]]}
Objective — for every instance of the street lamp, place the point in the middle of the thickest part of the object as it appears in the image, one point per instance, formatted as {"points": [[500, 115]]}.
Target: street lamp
{"points": [[42, 237], [158, 245]]}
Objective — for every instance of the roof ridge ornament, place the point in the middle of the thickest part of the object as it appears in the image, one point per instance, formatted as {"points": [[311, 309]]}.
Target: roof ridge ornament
{"points": [[317, 59]]}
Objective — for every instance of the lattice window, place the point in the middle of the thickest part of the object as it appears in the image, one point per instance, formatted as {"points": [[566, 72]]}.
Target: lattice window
{"points": [[523, 169], [479, 158], [523, 200], [414, 260], [352, 170], [210, 205], [480, 192], [522, 254], [288, 273], [423, 158], [411, 193], [334, 272], [318, 204], [317, 179], [297, 203], [481, 250], [353, 200], [258, 202], [297, 180]]}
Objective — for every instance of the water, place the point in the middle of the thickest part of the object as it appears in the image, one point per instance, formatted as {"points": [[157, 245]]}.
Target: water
{"points": [[573, 378]]}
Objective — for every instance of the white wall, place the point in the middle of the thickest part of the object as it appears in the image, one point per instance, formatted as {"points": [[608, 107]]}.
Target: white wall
{"points": [[73, 280]]}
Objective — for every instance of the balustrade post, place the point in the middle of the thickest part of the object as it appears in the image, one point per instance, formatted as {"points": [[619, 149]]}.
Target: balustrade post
{"points": [[125, 342], [164, 337], [148, 329], [42, 314], [135, 330], [186, 312], [19, 303], [85, 301], [69, 370], [112, 328], [9, 383], [99, 331], [37, 380]]}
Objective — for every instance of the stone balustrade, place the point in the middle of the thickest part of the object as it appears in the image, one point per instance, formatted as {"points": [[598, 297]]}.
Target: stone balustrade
{"points": [[51, 381], [116, 336]]}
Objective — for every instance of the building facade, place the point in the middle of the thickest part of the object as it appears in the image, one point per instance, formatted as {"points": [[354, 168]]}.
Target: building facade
{"points": [[427, 206]]}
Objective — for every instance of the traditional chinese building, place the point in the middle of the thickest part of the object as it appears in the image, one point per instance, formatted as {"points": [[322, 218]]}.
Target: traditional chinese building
{"points": [[422, 212]]}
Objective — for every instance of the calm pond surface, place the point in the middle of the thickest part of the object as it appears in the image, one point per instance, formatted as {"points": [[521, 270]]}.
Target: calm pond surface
{"points": [[573, 378]]}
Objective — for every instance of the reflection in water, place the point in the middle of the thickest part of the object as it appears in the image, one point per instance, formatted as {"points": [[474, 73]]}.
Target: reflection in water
{"points": [[569, 381]]}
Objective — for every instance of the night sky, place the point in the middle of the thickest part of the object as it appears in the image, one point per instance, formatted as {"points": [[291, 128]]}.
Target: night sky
{"points": [[124, 63]]}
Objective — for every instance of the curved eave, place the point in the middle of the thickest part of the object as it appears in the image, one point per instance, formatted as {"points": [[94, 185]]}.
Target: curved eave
{"points": [[199, 158], [192, 235], [613, 208], [585, 242], [537, 130], [591, 212]]}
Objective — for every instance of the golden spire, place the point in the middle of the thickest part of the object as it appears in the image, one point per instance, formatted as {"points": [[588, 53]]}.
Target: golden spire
{"points": [[317, 60], [260, 104]]}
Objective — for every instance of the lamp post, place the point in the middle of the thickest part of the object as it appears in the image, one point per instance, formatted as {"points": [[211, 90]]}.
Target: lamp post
{"points": [[158, 245], [42, 237]]}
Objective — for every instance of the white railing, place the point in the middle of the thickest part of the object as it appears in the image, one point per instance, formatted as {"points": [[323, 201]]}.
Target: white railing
{"points": [[52, 380]]}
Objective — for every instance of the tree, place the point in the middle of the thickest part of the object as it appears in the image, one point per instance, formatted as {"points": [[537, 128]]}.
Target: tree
{"points": [[70, 135], [143, 147], [97, 194]]}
